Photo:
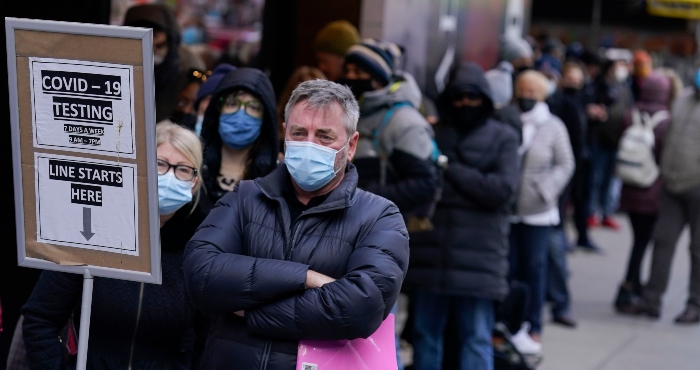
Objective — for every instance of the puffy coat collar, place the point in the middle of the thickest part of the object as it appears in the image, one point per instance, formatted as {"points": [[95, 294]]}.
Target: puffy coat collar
{"points": [[342, 196]]}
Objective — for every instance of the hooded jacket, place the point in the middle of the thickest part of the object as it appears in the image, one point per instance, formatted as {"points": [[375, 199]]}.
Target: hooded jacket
{"points": [[249, 255], [263, 155], [165, 74], [467, 252], [654, 96], [132, 325], [680, 165], [405, 140]]}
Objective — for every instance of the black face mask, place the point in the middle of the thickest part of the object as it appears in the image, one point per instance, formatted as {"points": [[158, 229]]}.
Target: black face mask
{"points": [[465, 118], [526, 105], [358, 87], [571, 91], [187, 120]]}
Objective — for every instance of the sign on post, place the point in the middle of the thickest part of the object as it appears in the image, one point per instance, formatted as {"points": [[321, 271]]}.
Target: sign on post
{"points": [[83, 141]]}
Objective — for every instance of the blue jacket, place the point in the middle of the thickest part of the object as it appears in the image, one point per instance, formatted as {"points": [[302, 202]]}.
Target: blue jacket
{"points": [[249, 255]]}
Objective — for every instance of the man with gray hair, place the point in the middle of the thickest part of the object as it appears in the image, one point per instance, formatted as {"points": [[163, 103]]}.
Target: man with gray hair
{"points": [[302, 253]]}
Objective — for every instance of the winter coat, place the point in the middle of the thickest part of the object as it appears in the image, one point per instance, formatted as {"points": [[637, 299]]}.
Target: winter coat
{"points": [[406, 141], [249, 255], [263, 155], [680, 161], [654, 96], [166, 73], [132, 325], [546, 169], [617, 98], [467, 252]]}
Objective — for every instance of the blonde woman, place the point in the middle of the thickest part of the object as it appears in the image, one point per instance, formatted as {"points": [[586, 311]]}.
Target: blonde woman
{"points": [[133, 325], [547, 165]]}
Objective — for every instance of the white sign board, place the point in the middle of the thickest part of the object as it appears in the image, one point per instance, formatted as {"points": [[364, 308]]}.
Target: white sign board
{"points": [[86, 203], [83, 106]]}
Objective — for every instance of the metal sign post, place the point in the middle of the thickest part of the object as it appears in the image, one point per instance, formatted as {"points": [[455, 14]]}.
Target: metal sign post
{"points": [[85, 311]]}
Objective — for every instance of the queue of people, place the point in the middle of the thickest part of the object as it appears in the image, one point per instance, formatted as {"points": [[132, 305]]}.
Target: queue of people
{"points": [[292, 219]]}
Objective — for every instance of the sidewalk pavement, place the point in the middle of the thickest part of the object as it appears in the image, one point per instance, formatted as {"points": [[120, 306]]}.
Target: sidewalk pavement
{"points": [[605, 340]]}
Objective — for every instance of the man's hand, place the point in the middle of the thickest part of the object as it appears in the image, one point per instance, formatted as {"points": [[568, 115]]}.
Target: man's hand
{"points": [[240, 313], [316, 280], [597, 112]]}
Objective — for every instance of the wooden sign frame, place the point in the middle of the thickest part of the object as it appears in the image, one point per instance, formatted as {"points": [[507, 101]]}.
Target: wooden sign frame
{"points": [[29, 41]]}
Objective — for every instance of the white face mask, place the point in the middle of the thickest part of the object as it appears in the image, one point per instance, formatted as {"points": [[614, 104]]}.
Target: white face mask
{"points": [[158, 59], [621, 74]]}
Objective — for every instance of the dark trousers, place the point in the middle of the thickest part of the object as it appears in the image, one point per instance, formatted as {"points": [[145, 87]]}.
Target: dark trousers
{"points": [[582, 199], [528, 264], [677, 211], [642, 227], [557, 273]]}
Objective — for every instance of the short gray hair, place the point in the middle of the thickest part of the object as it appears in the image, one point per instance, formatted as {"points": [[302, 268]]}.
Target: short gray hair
{"points": [[321, 94]]}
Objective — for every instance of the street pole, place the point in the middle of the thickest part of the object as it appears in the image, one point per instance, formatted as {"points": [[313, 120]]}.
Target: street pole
{"points": [[85, 310]]}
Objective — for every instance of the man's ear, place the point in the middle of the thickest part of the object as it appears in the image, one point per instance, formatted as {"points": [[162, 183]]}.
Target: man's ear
{"points": [[352, 145]]}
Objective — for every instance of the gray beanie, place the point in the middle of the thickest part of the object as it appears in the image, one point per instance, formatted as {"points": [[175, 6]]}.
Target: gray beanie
{"points": [[500, 80], [514, 47]]}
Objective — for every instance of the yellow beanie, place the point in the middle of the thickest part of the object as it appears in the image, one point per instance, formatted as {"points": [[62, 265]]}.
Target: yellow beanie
{"points": [[336, 37]]}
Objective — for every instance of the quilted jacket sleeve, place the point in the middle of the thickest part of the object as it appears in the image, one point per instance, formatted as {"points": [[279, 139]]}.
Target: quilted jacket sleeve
{"points": [[492, 189], [353, 306], [46, 312], [220, 279]]}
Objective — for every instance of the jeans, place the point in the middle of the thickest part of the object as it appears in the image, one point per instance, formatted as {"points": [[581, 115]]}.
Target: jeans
{"points": [[528, 264], [605, 187], [557, 273], [474, 319]]}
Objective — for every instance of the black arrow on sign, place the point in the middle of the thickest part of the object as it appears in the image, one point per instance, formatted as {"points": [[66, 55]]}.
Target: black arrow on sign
{"points": [[87, 223]]}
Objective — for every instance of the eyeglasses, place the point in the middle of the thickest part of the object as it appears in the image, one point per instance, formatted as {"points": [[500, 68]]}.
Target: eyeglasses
{"points": [[231, 104], [182, 172]]}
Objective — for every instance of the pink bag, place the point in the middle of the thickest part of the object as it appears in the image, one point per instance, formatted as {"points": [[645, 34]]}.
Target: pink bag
{"points": [[377, 352]]}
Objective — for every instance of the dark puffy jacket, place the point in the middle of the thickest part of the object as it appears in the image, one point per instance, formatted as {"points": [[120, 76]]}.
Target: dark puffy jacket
{"points": [[248, 255], [467, 252], [147, 326], [654, 96], [263, 154], [159, 16]]}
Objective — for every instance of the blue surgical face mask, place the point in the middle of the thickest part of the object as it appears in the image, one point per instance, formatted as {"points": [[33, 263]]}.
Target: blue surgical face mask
{"points": [[239, 130], [172, 193], [312, 166], [198, 124], [192, 35]]}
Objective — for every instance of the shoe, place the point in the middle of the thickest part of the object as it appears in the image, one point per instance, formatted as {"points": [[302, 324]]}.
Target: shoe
{"points": [[640, 307], [593, 221], [626, 301], [524, 343], [564, 320], [689, 316], [611, 223]]}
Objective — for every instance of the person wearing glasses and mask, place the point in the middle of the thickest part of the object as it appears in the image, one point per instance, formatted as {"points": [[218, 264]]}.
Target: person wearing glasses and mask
{"points": [[133, 325], [302, 253], [239, 132]]}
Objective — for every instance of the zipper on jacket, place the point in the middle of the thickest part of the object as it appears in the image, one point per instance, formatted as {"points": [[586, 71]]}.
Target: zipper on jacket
{"points": [[290, 247], [266, 355], [136, 327]]}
